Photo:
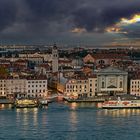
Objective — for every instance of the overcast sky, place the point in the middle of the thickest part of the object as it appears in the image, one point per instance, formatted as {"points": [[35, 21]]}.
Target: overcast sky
{"points": [[96, 22]]}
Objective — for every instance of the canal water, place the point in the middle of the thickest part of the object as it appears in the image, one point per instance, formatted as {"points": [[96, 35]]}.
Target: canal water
{"points": [[63, 121]]}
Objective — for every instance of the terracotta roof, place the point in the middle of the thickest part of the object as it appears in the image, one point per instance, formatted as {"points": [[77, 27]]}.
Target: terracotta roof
{"points": [[109, 55], [65, 61]]}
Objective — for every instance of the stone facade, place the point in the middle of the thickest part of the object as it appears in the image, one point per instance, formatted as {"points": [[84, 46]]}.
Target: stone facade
{"points": [[111, 81]]}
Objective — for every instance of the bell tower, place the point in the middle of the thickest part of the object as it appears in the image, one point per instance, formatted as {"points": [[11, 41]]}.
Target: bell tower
{"points": [[55, 58]]}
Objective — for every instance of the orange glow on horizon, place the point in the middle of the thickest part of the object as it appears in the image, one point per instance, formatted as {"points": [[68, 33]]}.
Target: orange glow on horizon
{"points": [[78, 30]]}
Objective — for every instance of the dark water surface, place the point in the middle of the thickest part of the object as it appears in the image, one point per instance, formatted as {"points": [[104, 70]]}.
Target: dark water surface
{"points": [[61, 121]]}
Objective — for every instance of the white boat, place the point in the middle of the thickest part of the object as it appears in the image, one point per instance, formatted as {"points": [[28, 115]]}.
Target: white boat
{"points": [[119, 104], [43, 102]]}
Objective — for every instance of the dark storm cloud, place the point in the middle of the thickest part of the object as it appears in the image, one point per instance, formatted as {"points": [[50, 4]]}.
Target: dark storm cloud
{"points": [[90, 14], [100, 17], [42, 18], [7, 13]]}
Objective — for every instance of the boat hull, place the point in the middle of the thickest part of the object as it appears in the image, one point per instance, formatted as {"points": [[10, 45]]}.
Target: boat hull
{"points": [[27, 106], [121, 107]]}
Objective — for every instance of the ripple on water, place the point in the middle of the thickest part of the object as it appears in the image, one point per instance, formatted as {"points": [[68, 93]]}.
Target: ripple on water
{"points": [[69, 122]]}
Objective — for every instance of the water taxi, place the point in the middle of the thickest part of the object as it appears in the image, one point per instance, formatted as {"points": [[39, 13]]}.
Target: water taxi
{"points": [[119, 104], [25, 103]]}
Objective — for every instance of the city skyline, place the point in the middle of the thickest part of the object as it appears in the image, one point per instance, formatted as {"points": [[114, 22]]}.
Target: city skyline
{"points": [[88, 22]]}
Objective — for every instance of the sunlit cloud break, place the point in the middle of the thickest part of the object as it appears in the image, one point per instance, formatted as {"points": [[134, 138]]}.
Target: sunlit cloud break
{"points": [[78, 30], [118, 27], [134, 19], [115, 30]]}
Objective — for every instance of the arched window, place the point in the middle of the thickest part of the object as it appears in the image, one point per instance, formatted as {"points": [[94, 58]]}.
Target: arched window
{"points": [[103, 84], [101, 62]]}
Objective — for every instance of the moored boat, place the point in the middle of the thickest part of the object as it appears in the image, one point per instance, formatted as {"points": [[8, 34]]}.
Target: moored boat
{"points": [[119, 104], [25, 103], [43, 102]]}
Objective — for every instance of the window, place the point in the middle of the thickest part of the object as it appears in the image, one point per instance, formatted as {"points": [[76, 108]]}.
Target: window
{"points": [[120, 84], [103, 84]]}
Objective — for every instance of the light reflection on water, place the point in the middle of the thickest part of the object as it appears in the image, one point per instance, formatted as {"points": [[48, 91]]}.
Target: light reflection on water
{"points": [[24, 115], [69, 122], [3, 106], [75, 105], [121, 112]]}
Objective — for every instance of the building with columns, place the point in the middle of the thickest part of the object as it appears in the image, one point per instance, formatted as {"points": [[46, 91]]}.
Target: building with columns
{"points": [[111, 81], [55, 59]]}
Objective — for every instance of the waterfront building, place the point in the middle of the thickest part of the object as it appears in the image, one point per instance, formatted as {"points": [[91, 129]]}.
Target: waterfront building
{"points": [[54, 59], [16, 87], [81, 87], [2, 88], [111, 81], [135, 87], [36, 87]]}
